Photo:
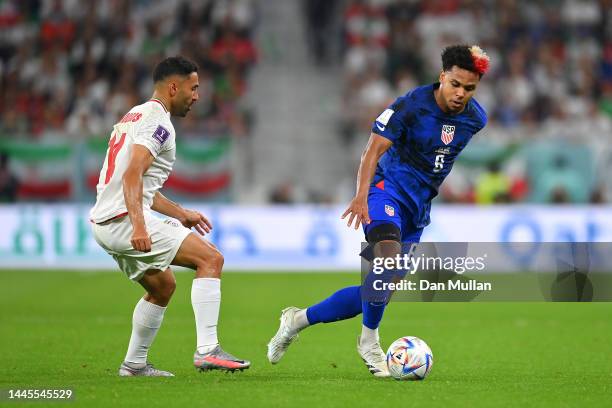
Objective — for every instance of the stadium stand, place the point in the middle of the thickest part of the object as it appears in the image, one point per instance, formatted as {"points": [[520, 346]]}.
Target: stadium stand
{"points": [[69, 70]]}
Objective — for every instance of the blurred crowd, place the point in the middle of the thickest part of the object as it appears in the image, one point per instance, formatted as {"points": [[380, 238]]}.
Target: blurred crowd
{"points": [[73, 67], [70, 68], [550, 80]]}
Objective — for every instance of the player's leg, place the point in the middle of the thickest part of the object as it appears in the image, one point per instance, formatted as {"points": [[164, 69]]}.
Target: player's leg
{"points": [[384, 237], [347, 303], [344, 304], [160, 286], [390, 227], [388, 241], [207, 261], [146, 321], [341, 305], [151, 270]]}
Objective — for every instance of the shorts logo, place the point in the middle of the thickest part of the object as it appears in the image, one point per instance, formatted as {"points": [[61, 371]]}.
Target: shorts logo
{"points": [[389, 210], [161, 134], [172, 223], [448, 132]]}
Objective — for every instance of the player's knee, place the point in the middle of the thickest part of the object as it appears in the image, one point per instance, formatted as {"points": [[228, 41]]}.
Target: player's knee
{"points": [[386, 249], [165, 290], [164, 294], [386, 239], [217, 259], [384, 232], [210, 263], [160, 296], [170, 288], [212, 258]]}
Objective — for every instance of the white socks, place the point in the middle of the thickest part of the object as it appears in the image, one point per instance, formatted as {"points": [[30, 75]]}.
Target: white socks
{"points": [[206, 301], [300, 320], [368, 336], [148, 317], [146, 320]]}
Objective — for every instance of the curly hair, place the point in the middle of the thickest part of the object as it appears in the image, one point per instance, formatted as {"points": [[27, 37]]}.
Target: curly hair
{"points": [[463, 56]]}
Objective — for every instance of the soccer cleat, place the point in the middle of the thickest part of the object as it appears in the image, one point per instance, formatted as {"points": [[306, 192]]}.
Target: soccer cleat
{"points": [[130, 370], [217, 359], [285, 335], [374, 358]]}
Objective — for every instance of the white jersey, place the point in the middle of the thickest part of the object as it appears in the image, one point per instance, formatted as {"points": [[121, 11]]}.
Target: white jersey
{"points": [[148, 125]]}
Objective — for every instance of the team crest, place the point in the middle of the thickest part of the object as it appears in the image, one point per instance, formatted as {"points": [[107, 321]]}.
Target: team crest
{"points": [[389, 210], [448, 132]]}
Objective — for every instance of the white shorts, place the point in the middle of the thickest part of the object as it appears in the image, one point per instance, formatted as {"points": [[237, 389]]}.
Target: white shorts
{"points": [[166, 238]]}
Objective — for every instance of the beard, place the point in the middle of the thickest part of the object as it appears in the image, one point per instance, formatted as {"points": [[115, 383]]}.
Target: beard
{"points": [[183, 112]]}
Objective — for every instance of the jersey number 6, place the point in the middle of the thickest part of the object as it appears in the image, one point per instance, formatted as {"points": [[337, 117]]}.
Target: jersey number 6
{"points": [[439, 163]]}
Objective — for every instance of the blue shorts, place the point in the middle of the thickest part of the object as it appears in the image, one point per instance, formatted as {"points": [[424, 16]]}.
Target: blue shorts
{"points": [[384, 208]]}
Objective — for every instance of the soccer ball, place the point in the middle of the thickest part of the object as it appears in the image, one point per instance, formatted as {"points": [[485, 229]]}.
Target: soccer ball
{"points": [[409, 358]]}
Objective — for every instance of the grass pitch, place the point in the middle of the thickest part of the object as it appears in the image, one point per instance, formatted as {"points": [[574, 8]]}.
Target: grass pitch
{"points": [[68, 329]]}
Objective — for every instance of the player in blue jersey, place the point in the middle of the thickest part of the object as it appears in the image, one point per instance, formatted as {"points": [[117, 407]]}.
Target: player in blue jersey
{"points": [[411, 149]]}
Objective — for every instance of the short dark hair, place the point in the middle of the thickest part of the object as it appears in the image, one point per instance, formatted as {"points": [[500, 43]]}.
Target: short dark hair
{"points": [[463, 56], [173, 66]]}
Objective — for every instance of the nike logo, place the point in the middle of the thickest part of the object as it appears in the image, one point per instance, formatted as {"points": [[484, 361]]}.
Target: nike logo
{"points": [[380, 127]]}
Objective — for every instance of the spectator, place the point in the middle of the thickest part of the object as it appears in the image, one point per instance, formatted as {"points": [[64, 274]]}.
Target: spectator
{"points": [[282, 194], [319, 15], [493, 186]]}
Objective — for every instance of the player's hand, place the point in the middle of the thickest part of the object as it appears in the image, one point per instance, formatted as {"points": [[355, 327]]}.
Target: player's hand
{"points": [[358, 210], [141, 241], [195, 219]]}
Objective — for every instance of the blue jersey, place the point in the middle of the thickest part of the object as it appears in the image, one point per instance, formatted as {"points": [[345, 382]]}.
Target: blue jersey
{"points": [[426, 142]]}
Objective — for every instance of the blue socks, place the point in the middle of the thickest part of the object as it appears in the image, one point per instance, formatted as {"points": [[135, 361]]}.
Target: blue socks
{"points": [[343, 304], [374, 301], [372, 313], [368, 299]]}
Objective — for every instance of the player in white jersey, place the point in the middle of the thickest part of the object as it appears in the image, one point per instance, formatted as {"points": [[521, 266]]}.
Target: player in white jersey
{"points": [[139, 160]]}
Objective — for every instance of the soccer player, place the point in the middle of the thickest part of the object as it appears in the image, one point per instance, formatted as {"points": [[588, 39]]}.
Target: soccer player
{"points": [[140, 156], [411, 149]]}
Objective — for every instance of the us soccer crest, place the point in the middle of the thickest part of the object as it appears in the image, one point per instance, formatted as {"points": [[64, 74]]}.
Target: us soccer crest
{"points": [[389, 210], [448, 132]]}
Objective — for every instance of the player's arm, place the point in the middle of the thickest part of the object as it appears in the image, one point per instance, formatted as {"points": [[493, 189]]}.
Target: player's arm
{"points": [[140, 160], [189, 218], [165, 206], [358, 208]]}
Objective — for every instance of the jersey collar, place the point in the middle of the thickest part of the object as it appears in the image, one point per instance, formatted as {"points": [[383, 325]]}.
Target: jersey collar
{"points": [[160, 102]]}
